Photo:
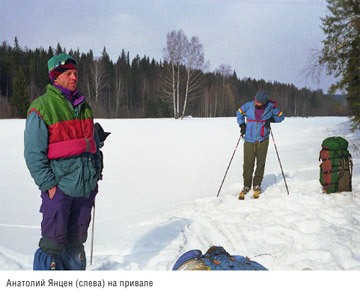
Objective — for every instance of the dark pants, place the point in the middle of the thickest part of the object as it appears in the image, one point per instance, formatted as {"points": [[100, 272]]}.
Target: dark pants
{"points": [[65, 220], [254, 151]]}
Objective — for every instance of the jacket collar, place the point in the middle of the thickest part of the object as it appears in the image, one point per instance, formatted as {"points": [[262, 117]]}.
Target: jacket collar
{"points": [[74, 97]]}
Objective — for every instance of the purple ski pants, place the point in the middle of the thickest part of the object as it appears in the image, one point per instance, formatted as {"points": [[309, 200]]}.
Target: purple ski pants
{"points": [[65, 218]]}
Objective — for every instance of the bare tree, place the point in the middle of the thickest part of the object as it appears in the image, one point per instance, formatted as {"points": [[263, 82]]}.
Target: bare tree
{"points": [[184, 64], [168, 90], [225, 72], [314, 69], [97, 80], [118, 92], [194, 65], [174, 55]]}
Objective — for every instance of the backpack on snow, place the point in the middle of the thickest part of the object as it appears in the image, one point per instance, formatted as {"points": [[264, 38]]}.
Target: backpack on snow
{"points": [[216, 258], [336, 166]]}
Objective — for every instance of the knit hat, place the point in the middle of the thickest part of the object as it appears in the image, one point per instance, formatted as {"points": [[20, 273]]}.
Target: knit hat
{"points": [[59, 64], [261, 97]]}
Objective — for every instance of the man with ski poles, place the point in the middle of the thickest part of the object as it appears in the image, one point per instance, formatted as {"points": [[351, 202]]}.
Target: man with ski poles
{"points": [[61, 151], [258, 113]]}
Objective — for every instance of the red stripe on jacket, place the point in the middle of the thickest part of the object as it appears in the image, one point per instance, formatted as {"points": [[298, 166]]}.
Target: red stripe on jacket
{"points": [[37, 112], [262, 126], [70, 138], [73, 147]]}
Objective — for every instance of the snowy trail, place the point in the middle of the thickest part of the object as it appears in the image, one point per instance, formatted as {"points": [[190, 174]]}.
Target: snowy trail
{"points": [[158, 198], [270, 231], [281, 238]]}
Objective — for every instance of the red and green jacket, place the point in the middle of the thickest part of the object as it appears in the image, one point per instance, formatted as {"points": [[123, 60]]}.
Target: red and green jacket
{"points": [[61, 147]]}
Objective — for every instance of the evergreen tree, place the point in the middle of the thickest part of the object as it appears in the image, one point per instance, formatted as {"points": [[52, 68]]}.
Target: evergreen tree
{"points": [[135, 89], [341, 51], [20, 99], [59, 49]]}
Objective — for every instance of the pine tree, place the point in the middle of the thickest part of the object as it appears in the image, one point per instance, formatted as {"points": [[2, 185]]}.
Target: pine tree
{"points": [[20, 101], [59, 49], [341, 51]]}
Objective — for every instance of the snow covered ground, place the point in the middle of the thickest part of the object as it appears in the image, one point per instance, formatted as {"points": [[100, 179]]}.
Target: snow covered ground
{"points": [[158, 197]]}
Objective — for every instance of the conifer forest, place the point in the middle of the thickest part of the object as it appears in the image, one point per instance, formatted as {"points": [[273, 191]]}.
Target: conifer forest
{"points": [[180, 85]]}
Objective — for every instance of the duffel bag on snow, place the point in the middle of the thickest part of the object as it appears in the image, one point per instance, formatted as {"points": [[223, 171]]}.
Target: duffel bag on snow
{"points": [[216, 258], [336, 165]]}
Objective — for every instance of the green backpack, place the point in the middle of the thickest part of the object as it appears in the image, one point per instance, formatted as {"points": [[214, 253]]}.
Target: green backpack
{"points": [[336, 166]]}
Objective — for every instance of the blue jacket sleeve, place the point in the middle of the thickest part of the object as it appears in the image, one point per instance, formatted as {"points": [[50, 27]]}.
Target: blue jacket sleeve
{"points": [[240, 114], [278, 115], [35, 152]]}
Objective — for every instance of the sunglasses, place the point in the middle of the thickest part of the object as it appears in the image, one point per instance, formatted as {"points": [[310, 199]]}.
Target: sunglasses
{"points": [[63, 62]]}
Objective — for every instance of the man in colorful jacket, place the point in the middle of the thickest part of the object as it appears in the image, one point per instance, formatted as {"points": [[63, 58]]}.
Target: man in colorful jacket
{"points": [[259, 113], [62, 155]]}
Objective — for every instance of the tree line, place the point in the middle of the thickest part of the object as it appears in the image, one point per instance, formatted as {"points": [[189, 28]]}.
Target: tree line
{"points": [[141, 87]]}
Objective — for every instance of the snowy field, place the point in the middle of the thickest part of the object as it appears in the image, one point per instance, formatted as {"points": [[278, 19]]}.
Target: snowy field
{"points": [[158, 197]]}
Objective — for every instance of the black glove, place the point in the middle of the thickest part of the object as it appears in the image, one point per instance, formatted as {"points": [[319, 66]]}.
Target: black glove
{"points": [[242, 129], [267, 123]]}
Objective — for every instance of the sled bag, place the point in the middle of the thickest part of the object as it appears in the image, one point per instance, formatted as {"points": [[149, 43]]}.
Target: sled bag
{"points": [[216, 258], [336, 165]]}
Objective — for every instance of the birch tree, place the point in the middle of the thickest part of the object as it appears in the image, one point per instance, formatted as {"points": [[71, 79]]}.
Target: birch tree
{"points": [[174, 55], [183, 71], [194, 65], [118, 92], [97, 79]]}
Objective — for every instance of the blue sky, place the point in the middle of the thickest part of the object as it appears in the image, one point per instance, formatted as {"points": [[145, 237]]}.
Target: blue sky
{"points": [[271, 40]]}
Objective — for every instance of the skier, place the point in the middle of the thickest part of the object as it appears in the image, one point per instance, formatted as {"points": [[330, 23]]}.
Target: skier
{"points": [[62, 155], [259, 113]]}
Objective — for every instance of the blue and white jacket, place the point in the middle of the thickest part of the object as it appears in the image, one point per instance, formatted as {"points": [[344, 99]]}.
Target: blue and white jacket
{"points": [[255, 130]]}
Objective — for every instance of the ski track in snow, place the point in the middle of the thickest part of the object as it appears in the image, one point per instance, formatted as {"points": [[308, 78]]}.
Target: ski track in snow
{"points": [[303, 230]]}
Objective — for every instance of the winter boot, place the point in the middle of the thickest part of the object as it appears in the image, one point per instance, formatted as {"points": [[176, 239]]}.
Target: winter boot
{"points": [[47, 261], [257, 191], [243, 192]]}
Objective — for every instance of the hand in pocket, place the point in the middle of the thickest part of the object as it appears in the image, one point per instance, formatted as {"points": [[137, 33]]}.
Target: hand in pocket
{"points": [[51, 192]]}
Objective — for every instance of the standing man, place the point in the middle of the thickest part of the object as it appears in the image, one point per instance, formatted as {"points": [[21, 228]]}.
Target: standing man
{"points": [[259, 114], [62, 155]]}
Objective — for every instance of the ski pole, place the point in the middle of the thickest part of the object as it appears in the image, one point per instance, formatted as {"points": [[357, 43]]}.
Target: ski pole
{"points": [[92, 235], [272, 136], [228, 166]]}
